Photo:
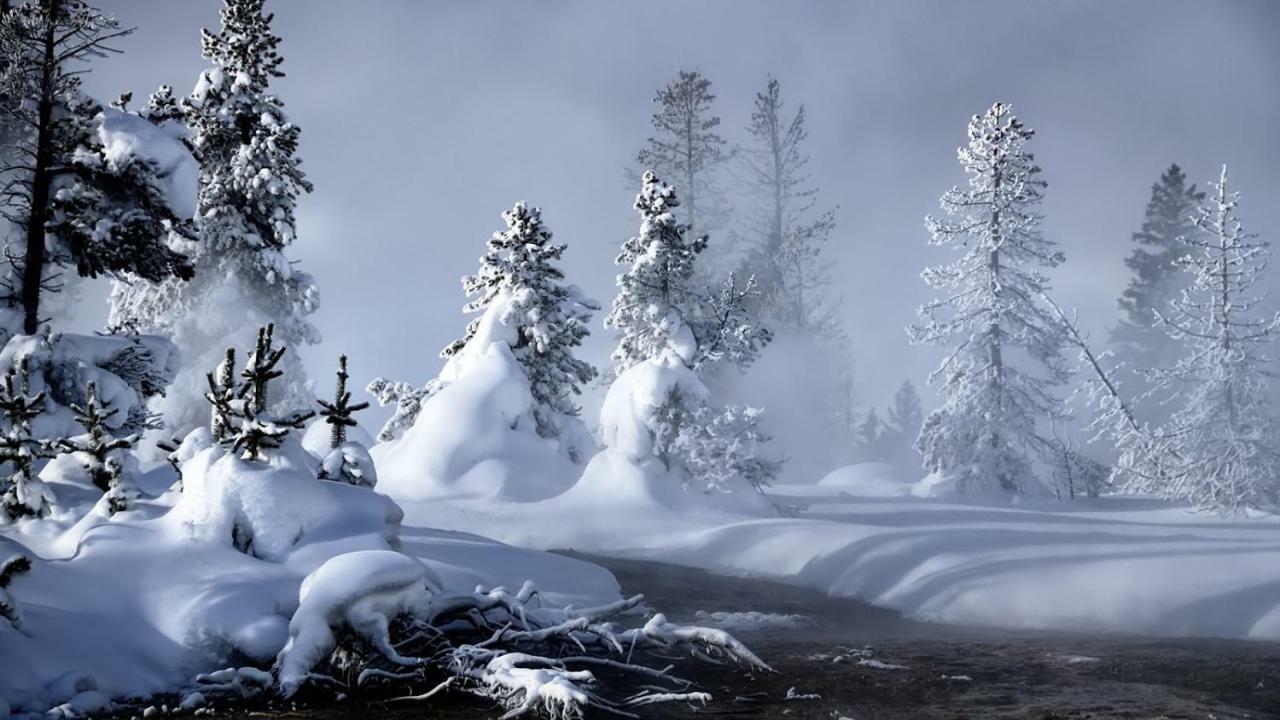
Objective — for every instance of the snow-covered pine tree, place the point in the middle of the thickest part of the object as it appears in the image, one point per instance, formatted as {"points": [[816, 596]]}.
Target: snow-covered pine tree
{"points": [[221, 395], [68, 203], [1005, 357], [248, 426], [790, 231], [97, 445], [339, 413], [660, 304], [871, 437], [688, 149], [663, 314], [1219, 450], [1139, 338], [658, 297], [347, 460], [549, 317], [250, 181], [904, 419], [24, 495]]}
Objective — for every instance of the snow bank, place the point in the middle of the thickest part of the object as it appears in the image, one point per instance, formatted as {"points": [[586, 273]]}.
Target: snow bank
{"points": [[627, 416], [269, 509], [879, 480], [1110, 564], [142, 602]]}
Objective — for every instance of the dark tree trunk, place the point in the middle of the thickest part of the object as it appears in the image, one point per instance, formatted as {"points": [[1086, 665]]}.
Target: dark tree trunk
{"points": [[33, 263]]}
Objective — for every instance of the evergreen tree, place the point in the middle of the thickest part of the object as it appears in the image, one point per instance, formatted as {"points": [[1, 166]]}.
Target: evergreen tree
{"points": [[790, 231], [97, 446], [247, 426], [662, 307], [871, 437], [68, 203], [347, 461], [407, 400], [23, 494], [905, 418], [1219, 451], [339, 413], [990, 426], [250, 181], [687, 148], [664, 316], [1157, 279], [548, 317]]}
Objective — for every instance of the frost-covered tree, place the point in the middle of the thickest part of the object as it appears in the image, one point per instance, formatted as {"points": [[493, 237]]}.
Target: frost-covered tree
{"points": [[548, 317], [718, 446], [665, 318], [347, 461], [687, 148], [250, 181], [24, 495], [407, 399], [69, 202], [243, 416], [1139, 337], [1004, 354], [98, 446], [1219, 450], [789, 229], [661, 305]]}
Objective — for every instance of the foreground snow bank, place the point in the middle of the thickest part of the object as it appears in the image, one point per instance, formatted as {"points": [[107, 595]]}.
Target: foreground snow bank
{"points": [[213, 575], [1111, 564]]}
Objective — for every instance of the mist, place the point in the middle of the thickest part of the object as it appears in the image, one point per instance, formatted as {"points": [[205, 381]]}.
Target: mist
{"points": [[421, 122]]}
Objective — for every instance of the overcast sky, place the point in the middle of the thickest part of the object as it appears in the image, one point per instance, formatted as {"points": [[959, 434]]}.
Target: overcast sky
{"points": [[423, 120]]}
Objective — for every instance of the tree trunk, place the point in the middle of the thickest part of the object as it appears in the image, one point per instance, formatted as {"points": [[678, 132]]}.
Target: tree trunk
{"points": [[33, 262]]}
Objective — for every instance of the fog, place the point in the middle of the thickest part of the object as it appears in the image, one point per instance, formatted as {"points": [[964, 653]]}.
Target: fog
{"points": [[422, 121]]}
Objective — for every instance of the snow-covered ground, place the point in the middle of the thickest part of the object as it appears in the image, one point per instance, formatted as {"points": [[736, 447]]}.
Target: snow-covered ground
{"points": [[1109, 564], [142, 602]]}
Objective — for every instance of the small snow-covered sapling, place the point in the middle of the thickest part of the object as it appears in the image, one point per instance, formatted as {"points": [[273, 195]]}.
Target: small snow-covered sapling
{"points": [[24, 494], [96, 446], [338, 414], [240, 416]]}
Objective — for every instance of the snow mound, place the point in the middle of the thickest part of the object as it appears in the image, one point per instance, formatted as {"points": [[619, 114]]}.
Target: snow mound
{"points": [[879, 480], [475, 438], [363, 591], [627, 416], [267, 509]]}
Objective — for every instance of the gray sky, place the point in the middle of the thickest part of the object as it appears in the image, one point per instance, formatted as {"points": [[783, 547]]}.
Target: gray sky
{"points": [[423, 120]]}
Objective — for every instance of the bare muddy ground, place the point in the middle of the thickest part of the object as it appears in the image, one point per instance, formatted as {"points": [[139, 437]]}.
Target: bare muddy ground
{"points": [[845, 659]]}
